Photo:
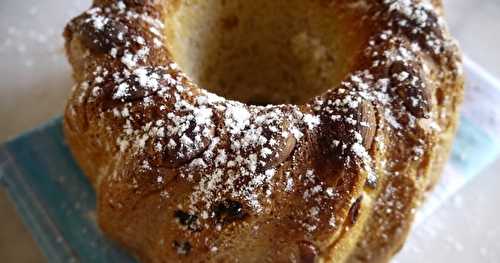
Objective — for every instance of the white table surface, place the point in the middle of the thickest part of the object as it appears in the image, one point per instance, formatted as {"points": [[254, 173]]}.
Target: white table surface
{"points": [[35, 80]]}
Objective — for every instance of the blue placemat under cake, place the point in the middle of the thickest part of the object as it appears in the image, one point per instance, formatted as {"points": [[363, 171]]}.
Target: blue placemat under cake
{"points": [[57, 203]]}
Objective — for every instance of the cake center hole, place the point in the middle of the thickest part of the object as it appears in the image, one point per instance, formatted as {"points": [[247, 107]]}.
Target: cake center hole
{"points": [[265, 52]]}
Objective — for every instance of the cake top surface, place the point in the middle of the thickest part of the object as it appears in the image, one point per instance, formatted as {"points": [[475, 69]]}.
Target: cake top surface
{"points": [[238, 158]]}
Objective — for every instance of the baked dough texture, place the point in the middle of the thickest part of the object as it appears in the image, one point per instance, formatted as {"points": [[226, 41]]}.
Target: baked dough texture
{"points": [[261, 131]]}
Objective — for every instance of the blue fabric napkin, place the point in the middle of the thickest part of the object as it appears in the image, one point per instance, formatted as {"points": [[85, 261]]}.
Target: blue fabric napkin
{"points": [[57, 202]]}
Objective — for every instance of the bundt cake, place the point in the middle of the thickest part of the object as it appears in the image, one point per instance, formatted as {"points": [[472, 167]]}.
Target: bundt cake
{"points": [[261, 131]]}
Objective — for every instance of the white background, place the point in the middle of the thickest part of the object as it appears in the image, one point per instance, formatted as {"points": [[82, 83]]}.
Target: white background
{"points": [[35, 80]]}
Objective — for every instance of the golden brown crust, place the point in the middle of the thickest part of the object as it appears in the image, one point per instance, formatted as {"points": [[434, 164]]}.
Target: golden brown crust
{"points": [[182, 174]]}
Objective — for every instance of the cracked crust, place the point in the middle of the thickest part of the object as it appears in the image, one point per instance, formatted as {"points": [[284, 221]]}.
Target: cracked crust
{"points": [[335, 175]]}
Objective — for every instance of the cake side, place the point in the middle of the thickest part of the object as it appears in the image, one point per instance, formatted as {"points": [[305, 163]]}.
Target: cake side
{"points": [[183, 174]]}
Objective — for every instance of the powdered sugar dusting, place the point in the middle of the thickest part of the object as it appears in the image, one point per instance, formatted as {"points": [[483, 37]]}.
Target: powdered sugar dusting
{"points": [[237, 157]]}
